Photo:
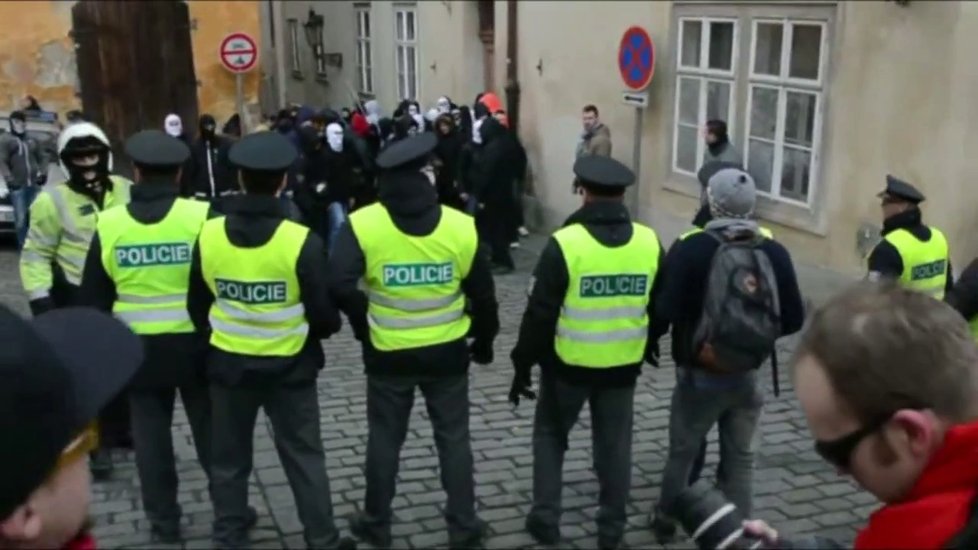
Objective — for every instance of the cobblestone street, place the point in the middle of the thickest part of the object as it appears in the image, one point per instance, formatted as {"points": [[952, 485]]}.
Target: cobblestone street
{"points": [[795, 491]]}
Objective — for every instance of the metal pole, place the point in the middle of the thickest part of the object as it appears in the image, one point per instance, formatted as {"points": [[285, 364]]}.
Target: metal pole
{"points": [[512, 69], [239, 100], [636, 164]]}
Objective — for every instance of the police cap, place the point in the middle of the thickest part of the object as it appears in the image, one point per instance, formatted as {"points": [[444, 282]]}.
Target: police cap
{"points": [[263, 152], [407, 151], [897, 188], [156, 149], [603, 171]]}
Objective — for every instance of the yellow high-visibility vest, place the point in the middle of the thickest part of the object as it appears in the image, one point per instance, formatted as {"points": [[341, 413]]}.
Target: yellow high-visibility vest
{"points": [[924, 263]]}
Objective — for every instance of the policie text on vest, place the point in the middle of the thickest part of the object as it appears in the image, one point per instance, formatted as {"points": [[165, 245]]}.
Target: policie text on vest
{"points": [[603, 286], [148, 255], [417, 274], [252, 292]]}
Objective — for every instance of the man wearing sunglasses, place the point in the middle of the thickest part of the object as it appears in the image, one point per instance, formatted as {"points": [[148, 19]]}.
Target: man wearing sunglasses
{"points": [[912, 253], [888, 380], [58, 370]]}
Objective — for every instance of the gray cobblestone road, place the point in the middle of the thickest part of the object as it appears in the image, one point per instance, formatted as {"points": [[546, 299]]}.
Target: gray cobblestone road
{"points": [[794, 490]]}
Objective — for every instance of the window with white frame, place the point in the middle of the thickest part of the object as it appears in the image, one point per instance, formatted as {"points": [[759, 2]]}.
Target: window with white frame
{"points": [[406, 51], [705, 75], [783, 126], [294, 47], [365, 77]]}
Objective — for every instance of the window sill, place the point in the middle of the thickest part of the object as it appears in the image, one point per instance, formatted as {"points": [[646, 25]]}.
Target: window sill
{"points": [[802, 218], [298, 75]]}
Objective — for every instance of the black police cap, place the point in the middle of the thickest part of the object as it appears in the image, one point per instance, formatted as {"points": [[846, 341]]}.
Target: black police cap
{"points": [[896, 187], [263, 152], [604, 171], [406, 151], [156, 148]]}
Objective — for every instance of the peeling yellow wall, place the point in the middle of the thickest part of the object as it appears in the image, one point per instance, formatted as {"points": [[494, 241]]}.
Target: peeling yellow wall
{"points": [[37, 55]]}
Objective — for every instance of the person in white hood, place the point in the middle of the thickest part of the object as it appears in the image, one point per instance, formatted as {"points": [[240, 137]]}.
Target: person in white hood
{"points": [[340, 182], [415, 113], [173, 126], [444, 105]]}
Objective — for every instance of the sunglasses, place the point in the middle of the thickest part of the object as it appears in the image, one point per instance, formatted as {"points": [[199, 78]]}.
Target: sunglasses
{"points": [[838, 452], [80, 447]]}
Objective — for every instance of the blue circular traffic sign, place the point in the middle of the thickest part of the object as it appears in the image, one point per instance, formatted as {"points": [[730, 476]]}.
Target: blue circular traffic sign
{"points": [[636, 58]]}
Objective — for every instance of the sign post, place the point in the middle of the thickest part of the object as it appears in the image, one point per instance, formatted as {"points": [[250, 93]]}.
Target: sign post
{"points": [[636, 64], [239, 55]]}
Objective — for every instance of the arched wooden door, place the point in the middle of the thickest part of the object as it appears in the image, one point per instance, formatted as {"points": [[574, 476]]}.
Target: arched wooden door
{"points": [[135, 65]]}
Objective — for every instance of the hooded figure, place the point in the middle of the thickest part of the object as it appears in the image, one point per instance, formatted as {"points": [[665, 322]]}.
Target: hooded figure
{"points": [[334, 137], [209, 174], [444, 105], [173, 126], [447, 155], [371, 111], [415, 111], [85, 157], [493, 178]]}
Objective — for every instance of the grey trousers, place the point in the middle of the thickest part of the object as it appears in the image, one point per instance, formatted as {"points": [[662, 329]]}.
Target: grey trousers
{"points": [[294, 413], [558, 408], [151, 413], [389, 403], [696, 406]]}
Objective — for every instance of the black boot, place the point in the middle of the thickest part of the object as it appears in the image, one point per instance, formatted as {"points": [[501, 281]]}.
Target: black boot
{"points": [[373, 535]]}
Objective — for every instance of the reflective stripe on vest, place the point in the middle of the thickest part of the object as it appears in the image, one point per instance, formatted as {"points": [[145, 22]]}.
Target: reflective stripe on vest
{"points": [[150, 266], [258, 306], [924, 263], [78, 215], [414, 283], [604, 320], [765, 232]]}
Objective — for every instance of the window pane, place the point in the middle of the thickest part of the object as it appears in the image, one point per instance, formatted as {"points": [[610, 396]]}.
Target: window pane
{"points": [[767, 53], [412, 73], [366, 24], [717, 100], [360, 62], [799, 123], [687, 138], [370, 81], [795, 174], [721, 46], [760, 164], [410, 25], [763, 112], [689, 101], [806, 46], [399, 26], [692, 38], [366, 54]]}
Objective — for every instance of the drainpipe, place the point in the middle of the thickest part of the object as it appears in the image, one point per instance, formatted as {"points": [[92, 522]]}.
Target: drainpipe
{"points": [[275, 7], [512, 82]]}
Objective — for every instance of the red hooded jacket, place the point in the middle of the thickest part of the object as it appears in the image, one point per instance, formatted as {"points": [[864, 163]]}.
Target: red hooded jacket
{"points": [[938, 506], [85, 541]]}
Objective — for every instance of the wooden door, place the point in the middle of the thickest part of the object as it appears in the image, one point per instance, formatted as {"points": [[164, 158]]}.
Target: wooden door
{"points": [[135, 65]]}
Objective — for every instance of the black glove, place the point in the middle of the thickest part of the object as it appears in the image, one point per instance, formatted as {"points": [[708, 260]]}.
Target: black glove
{"points": [[652, 353], [41, 179], [41, 305], [521, 387], [481, 353]]}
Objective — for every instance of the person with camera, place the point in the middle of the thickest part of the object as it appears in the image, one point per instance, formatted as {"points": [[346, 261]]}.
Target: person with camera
{"points": [[888, 380], [729, 292]]}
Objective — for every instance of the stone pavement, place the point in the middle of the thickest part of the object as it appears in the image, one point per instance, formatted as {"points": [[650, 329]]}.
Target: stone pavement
{"points": [[795, 491]]}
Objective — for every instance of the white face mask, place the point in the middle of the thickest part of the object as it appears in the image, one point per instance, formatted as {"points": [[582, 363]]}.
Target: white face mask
{"points": [[173, 125], [443, 105], [334, 137], [476, 134]]}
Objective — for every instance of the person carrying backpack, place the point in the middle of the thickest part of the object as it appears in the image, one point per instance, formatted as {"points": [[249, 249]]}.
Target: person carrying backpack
{"points": [[728, 294]]}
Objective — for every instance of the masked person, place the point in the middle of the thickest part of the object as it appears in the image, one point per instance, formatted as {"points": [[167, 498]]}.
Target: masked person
{"points": [[420, 262], [62, 225], [257, 287], [340, 179], [24, 168], [59, 370], [173, 126], [211, 176]]}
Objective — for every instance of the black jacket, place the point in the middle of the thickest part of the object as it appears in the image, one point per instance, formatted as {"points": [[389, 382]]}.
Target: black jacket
{"points": [[495, 167], [197, 181], [251, 221], [609, 223], [685, 273], [413, 206], [963, 296], [171, 359], [448, 152], [885, 259]]}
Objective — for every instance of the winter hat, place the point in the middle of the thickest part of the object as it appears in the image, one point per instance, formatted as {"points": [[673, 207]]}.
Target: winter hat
{"points": [[732, 194]]}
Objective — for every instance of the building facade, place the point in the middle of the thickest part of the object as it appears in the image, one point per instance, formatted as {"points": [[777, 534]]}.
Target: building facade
{"points": [[823, 99]]}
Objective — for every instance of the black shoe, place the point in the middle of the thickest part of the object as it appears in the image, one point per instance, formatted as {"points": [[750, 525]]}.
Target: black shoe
{"points": [[166, 534], [101, 464], [368, 533], [346, 543], [251, 517], [663, 528], [471, 539], [606, 543], [544, 534]]}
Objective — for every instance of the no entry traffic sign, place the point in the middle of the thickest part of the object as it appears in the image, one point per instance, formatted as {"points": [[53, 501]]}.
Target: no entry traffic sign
{"points": [[636, 58], [239, 53]]}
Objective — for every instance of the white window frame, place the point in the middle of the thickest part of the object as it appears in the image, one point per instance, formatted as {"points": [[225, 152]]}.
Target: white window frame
{"points": [[364, 50], [785, 84], [704, 75], [410, 48], [295, 54]]}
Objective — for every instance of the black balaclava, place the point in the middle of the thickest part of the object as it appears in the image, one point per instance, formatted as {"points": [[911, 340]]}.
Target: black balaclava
{"points": [[719, 129], [92, 179], [18, 124], [310, 140], [208, 127]]}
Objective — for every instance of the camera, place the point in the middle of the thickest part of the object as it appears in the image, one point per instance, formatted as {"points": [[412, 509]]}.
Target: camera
{"points": [[711, 520]]}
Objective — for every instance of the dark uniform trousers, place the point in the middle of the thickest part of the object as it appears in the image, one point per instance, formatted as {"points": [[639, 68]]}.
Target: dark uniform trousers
{"points": [[293, 410], [558, 408], [152, 418], [389, 403]]}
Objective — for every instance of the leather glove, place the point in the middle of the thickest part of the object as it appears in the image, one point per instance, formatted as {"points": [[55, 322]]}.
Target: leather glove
{"points": [[521, 387], [652, 354], [481, 353]]}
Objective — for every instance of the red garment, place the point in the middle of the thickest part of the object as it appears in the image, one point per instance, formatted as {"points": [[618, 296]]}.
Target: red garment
{"points": [[360, 125], [492, 102], [84, 541], [938, 506]]}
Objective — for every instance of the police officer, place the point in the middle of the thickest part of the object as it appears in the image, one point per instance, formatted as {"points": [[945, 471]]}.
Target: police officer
{"points": [[915, 254], [420, 262], [257, 285], [62, 223], [587, 325], [138, 266]]}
